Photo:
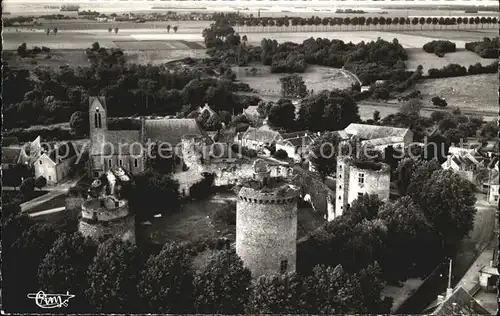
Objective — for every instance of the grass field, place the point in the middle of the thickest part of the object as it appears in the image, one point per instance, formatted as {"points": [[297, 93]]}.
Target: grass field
{"points": [[417, 56], [316, 77], [477, 92]]}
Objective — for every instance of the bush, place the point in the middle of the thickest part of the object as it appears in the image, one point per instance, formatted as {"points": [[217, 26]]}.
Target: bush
{"points": [[225, 215], [487, 48], [280, 154], [440, 47], [451, 70], [437, 101]]}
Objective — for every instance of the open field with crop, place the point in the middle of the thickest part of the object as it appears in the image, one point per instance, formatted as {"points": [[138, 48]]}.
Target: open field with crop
{"points": [[316, 77]]}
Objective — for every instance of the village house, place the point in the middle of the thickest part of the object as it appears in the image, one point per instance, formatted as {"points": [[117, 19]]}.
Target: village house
{"points": [[258, 138], [463, 162], [55, 164], [296, 144], [380, 136], [493, 186], [488, 275], [459, 302], [14, 154]]}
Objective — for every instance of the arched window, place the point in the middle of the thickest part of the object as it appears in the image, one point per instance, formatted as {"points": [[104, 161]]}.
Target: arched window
{"points": [[96, 118], [99, 120]]}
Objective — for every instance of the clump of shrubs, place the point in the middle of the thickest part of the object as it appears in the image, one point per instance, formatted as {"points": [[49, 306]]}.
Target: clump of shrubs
{"points": [[23, 50], [440, 47], [280, 154], [487, 48], [437, 101]]}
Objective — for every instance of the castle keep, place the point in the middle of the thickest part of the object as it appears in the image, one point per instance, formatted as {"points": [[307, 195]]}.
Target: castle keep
{"points": [[356, 178], [266, 223]]}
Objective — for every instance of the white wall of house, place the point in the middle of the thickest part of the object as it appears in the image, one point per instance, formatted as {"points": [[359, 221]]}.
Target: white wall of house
{"points": [[493, 194], [45, 167]]}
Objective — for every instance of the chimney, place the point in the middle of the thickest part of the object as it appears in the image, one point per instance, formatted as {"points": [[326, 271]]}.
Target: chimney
{"points": [[454, 307], [449, 292], [440, 299]]}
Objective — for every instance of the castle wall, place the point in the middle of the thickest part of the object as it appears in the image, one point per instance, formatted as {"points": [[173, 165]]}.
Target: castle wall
{"points": [[103, 214], [376, 182], [266, 231], [123, 228]]}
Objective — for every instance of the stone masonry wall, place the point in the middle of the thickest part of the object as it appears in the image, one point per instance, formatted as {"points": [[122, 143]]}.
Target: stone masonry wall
{"points": [[266, 234], [123, 228]]}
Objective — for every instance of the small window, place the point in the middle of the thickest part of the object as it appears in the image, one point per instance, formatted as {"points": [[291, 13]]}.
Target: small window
{"points": [[135, 162], [96, 174], [109, 163], [496, 198], [340, 176], [50, 178], [360, 194], [121, 162], [340, 187], [283, 266], [340, 197], [40, 162], [361, 178]]}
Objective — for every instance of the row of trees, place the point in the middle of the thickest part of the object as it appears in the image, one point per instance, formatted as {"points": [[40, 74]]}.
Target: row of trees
{"points": [[327, 23], [456, 70], [487, 48]]}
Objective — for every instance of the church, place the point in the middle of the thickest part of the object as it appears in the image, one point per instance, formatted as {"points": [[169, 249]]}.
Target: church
{"points": [[128, 149]]}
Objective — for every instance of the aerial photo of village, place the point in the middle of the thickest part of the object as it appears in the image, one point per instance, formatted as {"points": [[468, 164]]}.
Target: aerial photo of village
{"points": [[250, 157]]}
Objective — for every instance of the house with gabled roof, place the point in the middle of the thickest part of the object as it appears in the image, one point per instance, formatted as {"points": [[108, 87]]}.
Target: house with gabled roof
{"points": [[54, 165], [259, 138], [462, 162], [460, 302], [391, 136], [296, 144]]}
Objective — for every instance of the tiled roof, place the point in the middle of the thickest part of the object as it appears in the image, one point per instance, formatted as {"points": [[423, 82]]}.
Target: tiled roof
{"points": [[125, 138], [261, 135], [365, 131], [383, 141], [10, 155], [465, 304], [171, 130], [298, 139]]}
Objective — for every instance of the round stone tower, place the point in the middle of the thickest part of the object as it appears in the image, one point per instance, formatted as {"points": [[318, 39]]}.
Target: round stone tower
{"points": [[266, 224]]}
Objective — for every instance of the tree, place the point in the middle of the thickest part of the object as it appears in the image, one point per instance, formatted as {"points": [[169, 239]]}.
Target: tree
{"points": [[55, 30], [422, 22], [40, 182], [376, 116], [110, 30], [293, 86], [167, 283], [27, 187], [409, 237], [412, 106], [447, 201], [222, 287], [113, 277], [328, 110], [26, 242], [175, 28], [264, 107], [277, 294], [116, 30], [79, 123], [281, 154], [65, 266], [47, 31], [282, 114], [168, 28], [365, 207]]}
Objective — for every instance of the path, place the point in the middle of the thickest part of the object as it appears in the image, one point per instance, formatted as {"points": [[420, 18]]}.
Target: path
{"points": [[54, 191], [46, 212]]}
